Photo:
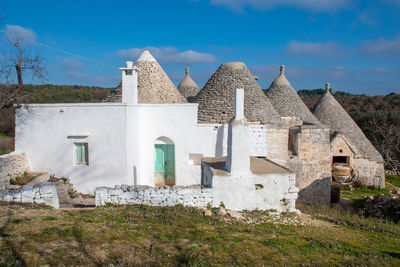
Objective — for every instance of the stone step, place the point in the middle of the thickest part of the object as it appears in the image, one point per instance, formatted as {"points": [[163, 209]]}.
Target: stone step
{"points": [[42, 177]]}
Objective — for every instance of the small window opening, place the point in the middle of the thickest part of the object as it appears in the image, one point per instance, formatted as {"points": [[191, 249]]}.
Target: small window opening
{"points": [[340, 159], [340, 150], [195, 159], [81, 153]]}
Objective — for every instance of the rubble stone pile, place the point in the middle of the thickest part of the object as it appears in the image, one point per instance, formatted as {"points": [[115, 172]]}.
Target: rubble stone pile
{"points": [[384, 206]]}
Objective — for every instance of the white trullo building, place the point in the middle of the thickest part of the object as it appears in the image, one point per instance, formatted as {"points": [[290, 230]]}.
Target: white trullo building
{"points": [[249, 149]]}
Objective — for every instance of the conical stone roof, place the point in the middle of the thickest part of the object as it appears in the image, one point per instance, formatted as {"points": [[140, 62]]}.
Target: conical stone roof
{"points": [[217, 98], [188, 88], [332, 114], [286, 101], [154, 86]]}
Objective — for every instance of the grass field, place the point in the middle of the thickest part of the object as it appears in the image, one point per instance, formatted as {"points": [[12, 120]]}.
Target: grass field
{"points": [[393, 180], [153, 236], [35, 235]]}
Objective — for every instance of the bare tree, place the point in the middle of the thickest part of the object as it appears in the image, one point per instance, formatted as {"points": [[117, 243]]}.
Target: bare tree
{"points": [[20, 59]]}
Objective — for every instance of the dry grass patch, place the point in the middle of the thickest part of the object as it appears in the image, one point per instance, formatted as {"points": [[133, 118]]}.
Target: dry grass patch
{"points": [[6, 144]]}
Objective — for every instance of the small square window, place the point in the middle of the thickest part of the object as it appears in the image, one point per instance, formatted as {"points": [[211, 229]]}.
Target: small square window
{"points": [[81, 153], [195, 159]]}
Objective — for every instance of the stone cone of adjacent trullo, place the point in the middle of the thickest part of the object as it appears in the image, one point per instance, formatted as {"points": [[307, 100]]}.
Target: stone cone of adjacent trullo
{"points": [[217, 98], [154, 85], [287, 102], [332, 114], [188, 88]]}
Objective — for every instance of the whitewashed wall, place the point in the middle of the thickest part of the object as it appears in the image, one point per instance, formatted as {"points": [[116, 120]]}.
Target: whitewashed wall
{"points": [[121, 141], [45, 132]]}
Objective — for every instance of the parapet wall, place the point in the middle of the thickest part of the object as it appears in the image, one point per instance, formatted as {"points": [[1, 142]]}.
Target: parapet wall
{"points": [[194, 196], [42, 194], [11, 166]]}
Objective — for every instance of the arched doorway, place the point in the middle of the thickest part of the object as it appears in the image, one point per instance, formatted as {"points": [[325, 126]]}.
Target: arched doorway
{"points": [[164, 170]]}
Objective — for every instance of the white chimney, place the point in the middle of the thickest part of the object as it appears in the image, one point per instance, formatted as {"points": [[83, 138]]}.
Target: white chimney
{"points": [[129, 84], [238, 160]]}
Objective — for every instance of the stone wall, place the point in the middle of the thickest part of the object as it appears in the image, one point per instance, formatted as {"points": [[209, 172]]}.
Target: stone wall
{"points": [[312, 164], [11, 166], [277, 144], [369, 172], [194, 196], [42, 194]]}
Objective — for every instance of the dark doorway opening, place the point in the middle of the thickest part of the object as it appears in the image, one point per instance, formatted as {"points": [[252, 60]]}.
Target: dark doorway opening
{"points": [[340, 159]]}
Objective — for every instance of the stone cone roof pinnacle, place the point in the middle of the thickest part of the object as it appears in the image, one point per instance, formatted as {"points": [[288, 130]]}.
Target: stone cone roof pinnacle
{"points": [[286, 101]]}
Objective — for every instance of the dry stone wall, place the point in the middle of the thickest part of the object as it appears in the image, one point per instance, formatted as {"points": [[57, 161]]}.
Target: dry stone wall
{"points": [[312, 164], [194, 196], [370, 172], [42, 194], [277, 139], [11, 166]]}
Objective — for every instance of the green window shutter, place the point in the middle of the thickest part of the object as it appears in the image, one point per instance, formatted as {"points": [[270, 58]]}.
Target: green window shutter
{"points": [[78, 148]]}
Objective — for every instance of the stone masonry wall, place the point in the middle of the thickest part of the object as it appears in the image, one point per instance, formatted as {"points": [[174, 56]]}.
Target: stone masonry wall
{"points": [[312, 164], [370, 172], [277, 144], [42, 194], [194, 196], [11, 166]]}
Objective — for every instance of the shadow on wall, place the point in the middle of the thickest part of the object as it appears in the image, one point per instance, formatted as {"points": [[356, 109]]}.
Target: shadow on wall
{"points": [[219, 145], [318, 192]]}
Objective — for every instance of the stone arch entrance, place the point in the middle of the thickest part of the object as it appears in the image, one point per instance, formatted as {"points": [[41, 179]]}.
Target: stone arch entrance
{"points": [[164, 167]]}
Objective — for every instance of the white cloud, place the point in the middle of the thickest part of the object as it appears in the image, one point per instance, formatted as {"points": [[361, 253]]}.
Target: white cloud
{"points": [[380, 47], [380, 71], [13, 31], [262, 5], [307, 48], [169, 55]]}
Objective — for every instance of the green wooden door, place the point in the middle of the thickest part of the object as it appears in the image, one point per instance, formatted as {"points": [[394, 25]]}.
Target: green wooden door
{"points": [[165, 164]]}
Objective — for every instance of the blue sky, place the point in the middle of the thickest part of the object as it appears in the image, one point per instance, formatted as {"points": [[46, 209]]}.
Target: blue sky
{"points": [[353, 44]]}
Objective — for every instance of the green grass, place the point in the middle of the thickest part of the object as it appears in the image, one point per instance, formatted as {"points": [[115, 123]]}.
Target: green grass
{"points": [[24, 179], [393, 179], [159, 236], [362, 192]]}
